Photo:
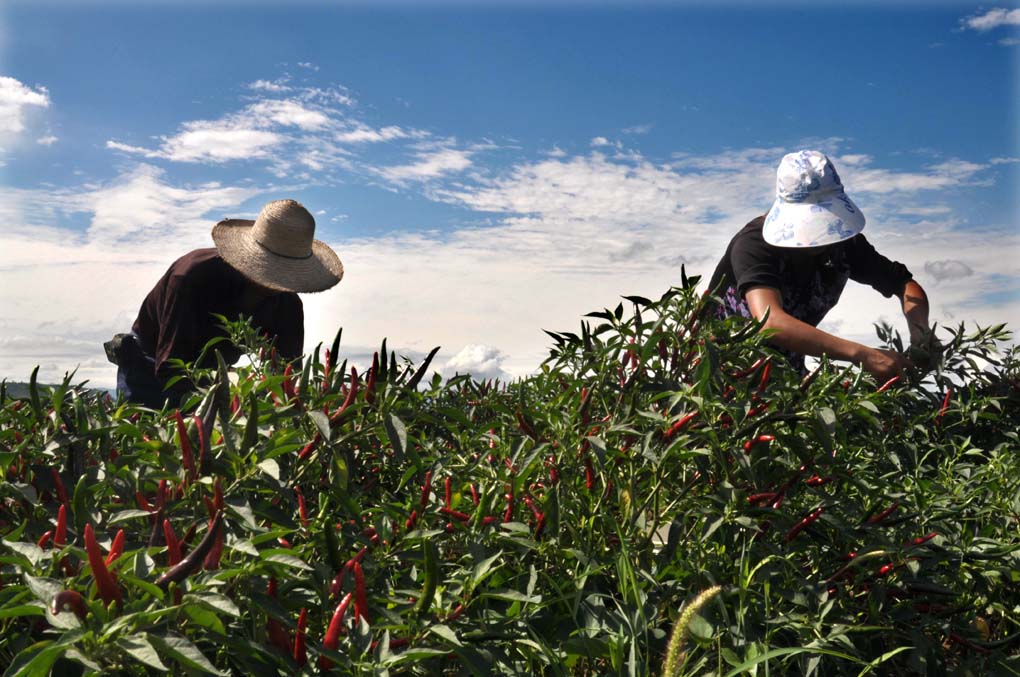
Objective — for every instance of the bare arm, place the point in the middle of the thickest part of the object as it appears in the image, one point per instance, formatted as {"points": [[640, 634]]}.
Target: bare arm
{"points": [[801, 337], [915, 309]]}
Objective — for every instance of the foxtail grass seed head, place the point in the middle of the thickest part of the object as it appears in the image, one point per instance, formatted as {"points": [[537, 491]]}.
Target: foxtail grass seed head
{"points": [[675, 649]]}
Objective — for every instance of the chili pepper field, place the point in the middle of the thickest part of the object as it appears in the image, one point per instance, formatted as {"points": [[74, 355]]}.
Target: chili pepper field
{"points": [[664, 496]]}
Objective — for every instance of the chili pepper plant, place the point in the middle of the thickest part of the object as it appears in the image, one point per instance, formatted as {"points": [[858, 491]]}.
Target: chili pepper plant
{"points": [[664, 495]]}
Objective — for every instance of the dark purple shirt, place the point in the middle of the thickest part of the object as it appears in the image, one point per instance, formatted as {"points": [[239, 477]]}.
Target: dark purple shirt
{"points": [[176, 318]]}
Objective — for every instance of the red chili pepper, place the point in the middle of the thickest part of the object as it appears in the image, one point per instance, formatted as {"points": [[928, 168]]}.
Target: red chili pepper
{"points": [[816, 481], [764, 497], [370, 384], [44, 539], [760, 439], [69, 599], [173, 546], [105, 584], [187, 456], [885, 569], [921, 540], [489, 519], [302, 510], [116, 548], [426, 490], [60, 535], [880, 517], [449, 493], [589, 474], [161, 494], [58, 484], [411, 520], [307, 450], [943, 408], [680, 425], [456, 514], [360, 598], [212, 559], [889, 384], [539, 525], [300, 652], [508, 514], [143, 503], [765, 372], [750, 370], [351, 395], [455, 613], [331, 640], [803, 524], [474, 494], [526, 427]]}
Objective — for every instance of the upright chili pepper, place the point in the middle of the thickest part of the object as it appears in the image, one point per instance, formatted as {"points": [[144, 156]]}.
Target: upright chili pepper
{"points": [[412, 520], [370, 383], [173, 546], [300, 652], [360, 597], [589, 474], [116, 548], [331, 640], [944, 407], [302, 509], [105, 584], [426, 490], [449, 493], [58, 484], [187, 456], [766, 371], [474, 494], [195, 558], [349, 400], [60, 534], [203, 446], [289, 393]]}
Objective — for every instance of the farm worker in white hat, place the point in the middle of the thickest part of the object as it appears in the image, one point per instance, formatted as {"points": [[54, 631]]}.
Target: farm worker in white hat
{"points": [[794, 261], [256, 269]]}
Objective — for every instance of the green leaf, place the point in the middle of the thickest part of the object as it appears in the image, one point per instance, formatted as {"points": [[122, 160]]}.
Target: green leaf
{"points": [[397, 433], [141, 649], [184, 652], [271, 468], [286, 560], [447, 633], [22, 610], [321, 422]]}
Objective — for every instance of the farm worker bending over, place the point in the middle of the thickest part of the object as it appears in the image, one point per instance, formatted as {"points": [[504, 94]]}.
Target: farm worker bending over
{"points": [[256, 269], [795, 260]]}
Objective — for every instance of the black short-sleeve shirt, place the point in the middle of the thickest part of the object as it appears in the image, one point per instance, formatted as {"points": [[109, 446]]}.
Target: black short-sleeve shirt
{"points": [[810, 280], [176, 318]]}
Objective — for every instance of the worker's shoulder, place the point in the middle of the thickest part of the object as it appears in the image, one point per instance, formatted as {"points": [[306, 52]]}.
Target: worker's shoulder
{"points": [[200, 263]]}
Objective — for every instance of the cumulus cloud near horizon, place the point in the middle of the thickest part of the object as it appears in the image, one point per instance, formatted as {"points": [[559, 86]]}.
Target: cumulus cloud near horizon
{"points": [[564, 234], [16, 101]]}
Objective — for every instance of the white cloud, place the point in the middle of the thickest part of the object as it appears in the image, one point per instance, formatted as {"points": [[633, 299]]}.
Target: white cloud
{"points": [[947, 269], [1004, 160], [993, 18], [15, 100], [309, 66], [638, 129], [1009, 42], [599, 141], [212, 142], [429, 164], [47, 140], [365, 134], [275, 86], [481, 361]]}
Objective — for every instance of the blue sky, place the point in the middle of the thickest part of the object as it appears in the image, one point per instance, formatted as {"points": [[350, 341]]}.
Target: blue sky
{"points": [[486, 174]]}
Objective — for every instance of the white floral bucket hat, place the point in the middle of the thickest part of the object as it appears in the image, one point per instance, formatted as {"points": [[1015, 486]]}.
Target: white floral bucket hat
{"points": [[811, 207]]}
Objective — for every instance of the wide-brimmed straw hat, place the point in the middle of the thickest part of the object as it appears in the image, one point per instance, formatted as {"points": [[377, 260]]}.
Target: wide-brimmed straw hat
{"points": [[278, 250], [811, 207]]}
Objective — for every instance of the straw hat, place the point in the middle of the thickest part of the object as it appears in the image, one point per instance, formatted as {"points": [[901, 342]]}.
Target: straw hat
{"points": [[811, 207], [278, 250]]}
